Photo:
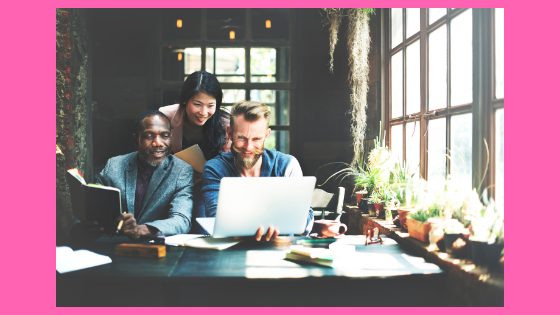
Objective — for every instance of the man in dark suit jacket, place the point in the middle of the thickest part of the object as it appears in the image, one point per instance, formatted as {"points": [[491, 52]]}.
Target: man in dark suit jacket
{"points": [[156, 186]]}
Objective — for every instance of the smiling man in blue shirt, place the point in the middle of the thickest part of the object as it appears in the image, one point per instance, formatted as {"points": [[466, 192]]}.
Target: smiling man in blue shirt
{"points": [[248, 158]]}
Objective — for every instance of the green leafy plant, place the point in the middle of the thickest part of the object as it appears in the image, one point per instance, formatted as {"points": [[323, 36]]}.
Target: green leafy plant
{"points": [[487, 221], [376, 197], [402, 174], [420, 215], [387, 194], [370, 179]]}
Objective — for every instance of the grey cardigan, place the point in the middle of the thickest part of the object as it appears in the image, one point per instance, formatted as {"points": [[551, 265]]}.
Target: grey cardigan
{"points": [[167, 204]]}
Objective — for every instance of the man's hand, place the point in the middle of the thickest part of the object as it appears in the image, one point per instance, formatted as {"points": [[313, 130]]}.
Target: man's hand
{"points": [[87, 231], [133, 231], [270, 235]]}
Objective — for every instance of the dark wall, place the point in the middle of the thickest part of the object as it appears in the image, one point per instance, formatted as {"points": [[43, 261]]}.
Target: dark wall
{"points": [[122, 83], [323, 101]]}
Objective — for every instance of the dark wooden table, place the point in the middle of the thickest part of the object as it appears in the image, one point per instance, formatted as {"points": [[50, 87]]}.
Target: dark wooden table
{"points": [[252, 274]]}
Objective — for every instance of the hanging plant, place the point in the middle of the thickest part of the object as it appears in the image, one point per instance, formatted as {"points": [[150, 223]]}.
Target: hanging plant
{"points": [[358, 50]]}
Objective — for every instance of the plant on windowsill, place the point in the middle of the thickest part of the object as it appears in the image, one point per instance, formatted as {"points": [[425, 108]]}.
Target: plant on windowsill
{"points": [[375, 204], [487, 230], [402, 183], [419, 225]]}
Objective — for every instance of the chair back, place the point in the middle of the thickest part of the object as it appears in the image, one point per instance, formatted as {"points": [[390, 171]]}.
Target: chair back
{"points": [[323, 200]]}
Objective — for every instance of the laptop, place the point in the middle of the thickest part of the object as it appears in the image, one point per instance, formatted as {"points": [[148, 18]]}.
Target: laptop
{"points": [[245, 203]]}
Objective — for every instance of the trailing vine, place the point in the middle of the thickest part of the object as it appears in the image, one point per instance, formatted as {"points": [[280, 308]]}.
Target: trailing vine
{"points": [[358, 49]]}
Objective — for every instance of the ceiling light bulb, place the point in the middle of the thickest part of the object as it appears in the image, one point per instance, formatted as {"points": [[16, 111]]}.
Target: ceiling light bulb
{"points": [[179, 56], [179, 23], [268, 24], [232, 35]]}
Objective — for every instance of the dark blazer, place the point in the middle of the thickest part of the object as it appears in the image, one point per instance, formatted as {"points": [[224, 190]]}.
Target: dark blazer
{"points": [[167, 204]]}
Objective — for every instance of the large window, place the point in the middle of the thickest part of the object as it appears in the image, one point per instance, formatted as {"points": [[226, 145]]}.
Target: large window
{"points": [[498, 103], [249, 51], [436, 75]]}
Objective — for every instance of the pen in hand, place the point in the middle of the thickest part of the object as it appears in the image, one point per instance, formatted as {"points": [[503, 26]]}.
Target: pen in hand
{"points": [[120, 226]]}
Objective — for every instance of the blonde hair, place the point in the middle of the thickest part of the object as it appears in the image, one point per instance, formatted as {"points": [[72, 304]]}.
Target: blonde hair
{"points": [[251, 111]]}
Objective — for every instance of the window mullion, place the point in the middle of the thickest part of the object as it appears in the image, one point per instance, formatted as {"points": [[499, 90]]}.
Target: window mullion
{"points": [[482, 97], [248, 39], [203, 37], [423, 91]]}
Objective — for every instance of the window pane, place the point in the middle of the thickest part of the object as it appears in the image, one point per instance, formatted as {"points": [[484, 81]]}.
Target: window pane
{"points": [[277, 28], [499, 44], [436, 13], [222, 21], [413, 78], [192, 58], [396, 27], [233, 96], [437, 92], [436, 154], [396, 85], [269, 64], [412, 22], [461, 59], [178, 62], [227, 64], [187, 29], [500, 157], [461, 150], [413, 145], [397, 141], [277, 102], [278, 140]]}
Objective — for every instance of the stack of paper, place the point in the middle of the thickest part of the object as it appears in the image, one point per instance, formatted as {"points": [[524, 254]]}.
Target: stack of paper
{"points": [[320, 256], [201, 241], [68, 260]]}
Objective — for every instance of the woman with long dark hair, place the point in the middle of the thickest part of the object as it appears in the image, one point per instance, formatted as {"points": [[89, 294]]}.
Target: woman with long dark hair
{"points": [[199, 119]]}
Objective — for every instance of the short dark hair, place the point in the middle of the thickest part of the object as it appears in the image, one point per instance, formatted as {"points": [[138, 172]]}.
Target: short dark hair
{"points": [[149, 113]]}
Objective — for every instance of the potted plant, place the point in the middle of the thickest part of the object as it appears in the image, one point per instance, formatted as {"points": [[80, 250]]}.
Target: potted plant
{"points": [[402, 183], [376, 204], [387, 200], [487, 230], [418, 226]]}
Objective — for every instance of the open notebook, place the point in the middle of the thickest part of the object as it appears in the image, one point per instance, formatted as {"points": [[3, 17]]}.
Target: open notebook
{"points": [[68, 260], [201, 241]]}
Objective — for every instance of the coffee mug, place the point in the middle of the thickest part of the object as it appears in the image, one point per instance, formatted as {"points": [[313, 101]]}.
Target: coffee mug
{"points": [[330, 228]]}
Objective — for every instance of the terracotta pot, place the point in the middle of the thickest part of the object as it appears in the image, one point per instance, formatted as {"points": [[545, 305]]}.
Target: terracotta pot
{"points": [[403, 213], [359, 195], [419, 231], [378, 208]]}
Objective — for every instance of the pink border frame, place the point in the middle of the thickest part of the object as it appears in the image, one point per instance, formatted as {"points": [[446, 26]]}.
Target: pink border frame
{"points": [[30, 284]]}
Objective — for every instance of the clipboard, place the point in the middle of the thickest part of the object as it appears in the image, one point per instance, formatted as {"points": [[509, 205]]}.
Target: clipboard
{"points": [[194, 156]]}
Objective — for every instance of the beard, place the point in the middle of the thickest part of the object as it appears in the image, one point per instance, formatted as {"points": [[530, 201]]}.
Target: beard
{"points": [[246, 163], [144, 156]]}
